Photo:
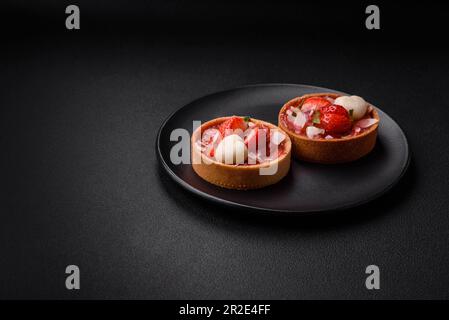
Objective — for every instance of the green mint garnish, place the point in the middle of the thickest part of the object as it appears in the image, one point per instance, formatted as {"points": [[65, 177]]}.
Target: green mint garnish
{"points": [[246, 119], [316, 117]]}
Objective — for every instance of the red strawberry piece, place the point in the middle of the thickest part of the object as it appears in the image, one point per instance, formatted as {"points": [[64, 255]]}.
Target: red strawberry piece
{"points": [[314, 103], [265, 131], [210, 139], [335, 109], [335, 123], [251, 137], [209, 136], [258, 131], [229, 126]]}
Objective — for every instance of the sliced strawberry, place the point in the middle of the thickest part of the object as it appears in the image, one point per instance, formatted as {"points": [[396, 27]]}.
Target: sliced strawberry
{"points": [[263, 131], [210, 139], [251, 137], [335, 123], [209, 136], [256, 133], [314, 103], [335, 109], [229, 126]]}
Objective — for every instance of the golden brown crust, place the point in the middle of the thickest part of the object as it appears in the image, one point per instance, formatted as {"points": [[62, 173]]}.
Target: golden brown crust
{"points": [[333, 150], [243, 177]]}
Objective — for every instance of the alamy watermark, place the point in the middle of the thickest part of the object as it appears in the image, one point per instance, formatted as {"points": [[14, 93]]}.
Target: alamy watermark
{"points": [[73, 19], [372, 22], [372, 282], [72, 282]]}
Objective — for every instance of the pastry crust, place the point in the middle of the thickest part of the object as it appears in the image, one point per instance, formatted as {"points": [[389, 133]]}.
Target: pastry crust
{"points": [[240, 177], [337, 150]]}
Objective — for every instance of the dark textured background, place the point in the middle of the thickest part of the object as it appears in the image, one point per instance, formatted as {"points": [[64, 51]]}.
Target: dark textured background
{"points": [[79, 115]]}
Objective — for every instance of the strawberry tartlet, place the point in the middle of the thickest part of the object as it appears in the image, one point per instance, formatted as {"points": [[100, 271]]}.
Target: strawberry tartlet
{"points": [[329, 128], [240, 153]]}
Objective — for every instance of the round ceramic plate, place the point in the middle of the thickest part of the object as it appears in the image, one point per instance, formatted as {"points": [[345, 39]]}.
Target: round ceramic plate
{"points": [[308, 187]]}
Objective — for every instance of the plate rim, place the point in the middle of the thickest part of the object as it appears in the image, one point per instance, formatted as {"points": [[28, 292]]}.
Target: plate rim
{"points": [[221, 201]]}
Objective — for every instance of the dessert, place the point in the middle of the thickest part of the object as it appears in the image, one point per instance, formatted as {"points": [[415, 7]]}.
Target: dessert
{"points": [[329, 128], [240, 152]]}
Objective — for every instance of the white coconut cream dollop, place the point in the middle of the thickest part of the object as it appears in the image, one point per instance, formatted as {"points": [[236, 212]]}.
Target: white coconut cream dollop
{"points": [[231, 150], [355, 103]]}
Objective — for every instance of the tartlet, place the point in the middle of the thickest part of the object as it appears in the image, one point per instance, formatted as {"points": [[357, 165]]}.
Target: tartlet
{"points": [[352, 139], [216, 153]]}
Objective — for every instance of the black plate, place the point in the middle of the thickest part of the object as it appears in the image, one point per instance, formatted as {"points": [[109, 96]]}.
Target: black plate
{"points": [[308, 187]]}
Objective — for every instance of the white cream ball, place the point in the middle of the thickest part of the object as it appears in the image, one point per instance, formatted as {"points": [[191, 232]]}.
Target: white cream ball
{"points": [[231, 150], [355, 103]]}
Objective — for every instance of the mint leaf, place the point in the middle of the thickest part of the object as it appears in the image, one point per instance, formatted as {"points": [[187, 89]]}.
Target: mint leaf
{"points": [[351, 114], [316, 117], [246, 119]]}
